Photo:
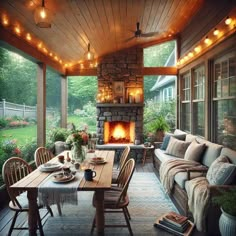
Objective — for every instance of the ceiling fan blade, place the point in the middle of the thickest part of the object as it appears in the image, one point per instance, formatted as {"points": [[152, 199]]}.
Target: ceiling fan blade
{"points": [[151, 34], [129, 39]]}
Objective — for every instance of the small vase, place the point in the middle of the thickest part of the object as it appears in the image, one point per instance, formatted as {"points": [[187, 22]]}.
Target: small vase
{"points": [[227, 224], [77, 152]]}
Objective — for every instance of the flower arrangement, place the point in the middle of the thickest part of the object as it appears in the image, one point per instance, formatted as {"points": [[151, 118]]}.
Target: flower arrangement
{"points": [[79, 136]]}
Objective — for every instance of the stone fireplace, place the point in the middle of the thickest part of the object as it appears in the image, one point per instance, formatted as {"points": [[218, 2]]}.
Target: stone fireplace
{"points": [[129, 115], [123, 68]]}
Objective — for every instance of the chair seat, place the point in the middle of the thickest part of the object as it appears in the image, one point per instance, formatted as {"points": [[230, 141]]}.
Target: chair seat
{"points": [[23, 201], [111, 198]]}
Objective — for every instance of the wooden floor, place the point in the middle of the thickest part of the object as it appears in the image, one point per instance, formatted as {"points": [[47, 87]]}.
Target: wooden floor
{"points": [[6, 214]]}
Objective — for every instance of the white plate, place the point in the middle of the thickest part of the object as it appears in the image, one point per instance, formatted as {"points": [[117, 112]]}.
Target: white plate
{"points": [[66, 180], [97, 162], [48, 167]]}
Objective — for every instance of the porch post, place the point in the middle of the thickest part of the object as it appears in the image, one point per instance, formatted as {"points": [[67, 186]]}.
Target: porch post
{"points": [[64, 102], [41, 104]]}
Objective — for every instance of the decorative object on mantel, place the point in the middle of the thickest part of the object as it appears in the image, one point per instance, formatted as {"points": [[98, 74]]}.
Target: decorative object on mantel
{"points": [[134, 95], [42, 16], [118, 91], [78, 141], [105, 95]]}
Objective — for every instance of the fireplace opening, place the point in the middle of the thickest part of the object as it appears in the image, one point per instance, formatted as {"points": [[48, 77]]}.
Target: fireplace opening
{"points": [[119, 132]]}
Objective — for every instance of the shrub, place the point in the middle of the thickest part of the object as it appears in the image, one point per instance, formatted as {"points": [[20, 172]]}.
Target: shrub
{"points": [[58, 134], [3, 123], [27, 150], [10, 148]]}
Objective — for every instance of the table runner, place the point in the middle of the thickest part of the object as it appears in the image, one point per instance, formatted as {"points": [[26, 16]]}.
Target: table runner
{"points": [[51, 193]]}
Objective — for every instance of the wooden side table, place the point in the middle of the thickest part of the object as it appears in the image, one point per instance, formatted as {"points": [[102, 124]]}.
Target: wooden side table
{"points": [[145, 150]]}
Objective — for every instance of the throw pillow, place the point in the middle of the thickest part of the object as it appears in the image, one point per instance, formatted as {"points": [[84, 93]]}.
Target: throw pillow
{"points": [[194, 151], [177, 147], [221, 171], [166, 139]]}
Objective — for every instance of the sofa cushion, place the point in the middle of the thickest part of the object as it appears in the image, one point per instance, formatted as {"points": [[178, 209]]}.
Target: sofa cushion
{"points": [[178, 131], [231, 154], [194, 151], [162, 156], [190, 138], [211, 152], [167, 139], [221, 171], [181, 178], [177, 147]]}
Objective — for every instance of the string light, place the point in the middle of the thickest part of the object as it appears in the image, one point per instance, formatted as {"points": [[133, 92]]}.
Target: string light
{"points": [[17, 30], [207, 40], [216, 32], [220, 31], [28, 37], [228, 20]]}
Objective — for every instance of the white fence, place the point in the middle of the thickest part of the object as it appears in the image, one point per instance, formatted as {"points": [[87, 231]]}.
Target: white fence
{"points": [[8, 109]]}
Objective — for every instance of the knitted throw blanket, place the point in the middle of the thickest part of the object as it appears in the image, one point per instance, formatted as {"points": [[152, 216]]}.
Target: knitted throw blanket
{"points": [[170, 168], [198, 201]]}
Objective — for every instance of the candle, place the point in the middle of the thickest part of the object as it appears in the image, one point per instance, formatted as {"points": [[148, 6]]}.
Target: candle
{"points": [[130, 98], [137, 97]]}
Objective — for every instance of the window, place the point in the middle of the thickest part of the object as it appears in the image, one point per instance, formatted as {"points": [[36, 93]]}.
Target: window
{"points": [[224, 100], [198, 101], [185, 102], [167, 94]]}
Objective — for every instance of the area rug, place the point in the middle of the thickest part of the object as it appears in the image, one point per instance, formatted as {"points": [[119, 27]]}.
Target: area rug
{"points": [[147, 202]]}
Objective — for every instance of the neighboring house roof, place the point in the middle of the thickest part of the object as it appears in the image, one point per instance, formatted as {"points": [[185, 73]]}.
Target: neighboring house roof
{"points": [[163, 80]]}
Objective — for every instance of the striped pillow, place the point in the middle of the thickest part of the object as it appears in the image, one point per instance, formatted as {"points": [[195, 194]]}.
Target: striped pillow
{"points": [[177, 147]]}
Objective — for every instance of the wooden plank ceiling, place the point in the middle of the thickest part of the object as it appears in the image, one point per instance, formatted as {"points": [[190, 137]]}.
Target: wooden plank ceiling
{"points": [[107, 24]]}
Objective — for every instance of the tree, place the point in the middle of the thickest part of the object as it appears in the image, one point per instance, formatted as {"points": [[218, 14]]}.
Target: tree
{"points": [[81, 90]]}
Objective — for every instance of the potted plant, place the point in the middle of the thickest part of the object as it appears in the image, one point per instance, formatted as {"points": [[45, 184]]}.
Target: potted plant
{"points": [[158, 126], [226, 200]]}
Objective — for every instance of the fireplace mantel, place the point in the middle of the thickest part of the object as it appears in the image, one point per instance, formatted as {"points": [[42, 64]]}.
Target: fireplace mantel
{"points": [[119, 105]]}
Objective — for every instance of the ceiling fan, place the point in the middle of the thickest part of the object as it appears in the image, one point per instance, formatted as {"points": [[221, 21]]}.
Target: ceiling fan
{"points": [[138, 33]]}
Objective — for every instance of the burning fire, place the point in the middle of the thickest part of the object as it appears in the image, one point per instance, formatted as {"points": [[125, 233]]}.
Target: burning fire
{"points": [[119, 132]]}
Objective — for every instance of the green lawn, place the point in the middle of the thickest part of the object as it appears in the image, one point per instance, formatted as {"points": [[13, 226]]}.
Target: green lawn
{"points": [[29, 132], [79, 122], [20, 134]]}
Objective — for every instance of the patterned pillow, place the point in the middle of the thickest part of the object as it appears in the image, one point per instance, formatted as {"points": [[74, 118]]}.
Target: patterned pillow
{"points": [[194, 151], [176, 147], [166, 139], [221, 171]]}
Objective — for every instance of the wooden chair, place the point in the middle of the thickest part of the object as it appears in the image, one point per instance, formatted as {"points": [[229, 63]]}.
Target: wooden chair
{"points": [[41, 156], [13, 170], [116, 200], [123, 159]]}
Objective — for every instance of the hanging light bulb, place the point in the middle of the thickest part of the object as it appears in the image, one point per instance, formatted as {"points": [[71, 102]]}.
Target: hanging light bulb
{"points": [[88, 55], [42, 16]]}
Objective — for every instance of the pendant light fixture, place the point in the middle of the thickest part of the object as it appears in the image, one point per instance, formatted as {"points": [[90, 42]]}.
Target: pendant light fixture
{"points": [[88, 56], [42, 16]]}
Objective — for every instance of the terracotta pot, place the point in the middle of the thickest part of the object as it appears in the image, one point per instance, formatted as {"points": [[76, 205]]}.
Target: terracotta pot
{"points": [[160, 135]]}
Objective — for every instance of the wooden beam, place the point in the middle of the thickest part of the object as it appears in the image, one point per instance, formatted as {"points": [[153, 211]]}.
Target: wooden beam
{"points": [[64, 101], [41, 104], [159, 41], [76, 71], [29, 51], [159, 71]]}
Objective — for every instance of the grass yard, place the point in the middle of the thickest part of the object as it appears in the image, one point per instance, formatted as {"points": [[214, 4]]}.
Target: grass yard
{"points": [[20, 134], [80, 122]]}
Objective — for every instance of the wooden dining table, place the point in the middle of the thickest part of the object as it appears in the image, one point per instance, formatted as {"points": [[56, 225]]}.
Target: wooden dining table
{"points": [[101, 183]]}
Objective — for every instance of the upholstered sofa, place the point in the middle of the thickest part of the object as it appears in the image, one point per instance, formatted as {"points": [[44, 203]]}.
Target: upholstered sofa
{"points": [[209, 154]]}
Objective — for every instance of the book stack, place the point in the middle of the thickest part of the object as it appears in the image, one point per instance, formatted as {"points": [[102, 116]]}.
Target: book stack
{"points": [[175, 223]]}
